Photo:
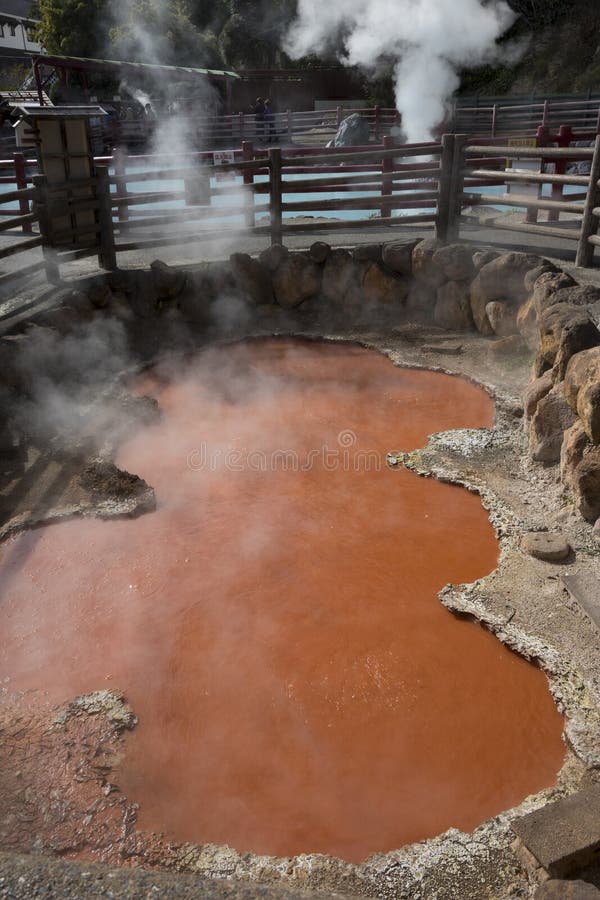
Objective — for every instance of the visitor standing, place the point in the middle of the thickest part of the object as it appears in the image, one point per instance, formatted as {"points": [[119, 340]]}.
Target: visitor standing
{"points": [[259, 117], [270, 122]]}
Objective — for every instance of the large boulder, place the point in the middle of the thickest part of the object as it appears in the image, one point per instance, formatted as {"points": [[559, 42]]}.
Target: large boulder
{"points": [[353, 131], [478, 300], [252, 279], [168, 281], [551, 419], [452, 310], [588, 409], [502, 318], [575, 443], [504, 277], [340, 285], [577, 335], [481, 257], [532, 276], [367, 252], [536, 389], [582, 368], [564, 331], [455, 261], [273, 256], [527, 323], [547, 286], [423, 266], [397, 256], [295, 280], [380, 286], [576, 295], [585, 484]]}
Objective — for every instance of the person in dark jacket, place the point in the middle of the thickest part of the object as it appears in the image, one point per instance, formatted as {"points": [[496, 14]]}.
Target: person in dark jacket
{"points": [[259, 117]]}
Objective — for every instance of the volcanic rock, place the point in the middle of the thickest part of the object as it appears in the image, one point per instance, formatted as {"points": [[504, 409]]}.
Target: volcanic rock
{"points": [[368, 253], [546, 546], [452, 310], [575, 443], [295, 280], [455, 261], [532, 276], [588, 409], [504, 278], [585, 484], [546, 287], [381, 287], [502, 318], [252, 279], [319, 251], [353, 131], [534, 392], [339, 285], [397, 256], [551, 419], [582, 368], [423, 266]]}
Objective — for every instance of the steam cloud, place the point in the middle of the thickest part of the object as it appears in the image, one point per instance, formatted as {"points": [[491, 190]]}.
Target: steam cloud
{"points": [[430, 40]]}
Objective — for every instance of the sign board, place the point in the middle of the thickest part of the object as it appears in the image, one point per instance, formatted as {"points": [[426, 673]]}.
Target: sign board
{"points": [[523, 165], [220, 158]]}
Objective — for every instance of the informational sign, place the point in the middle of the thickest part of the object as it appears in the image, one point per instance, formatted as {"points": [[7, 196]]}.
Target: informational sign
{"points": [[525, 165], [220, 158]]}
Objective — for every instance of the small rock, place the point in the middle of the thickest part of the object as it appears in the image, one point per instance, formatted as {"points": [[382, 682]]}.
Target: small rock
{"points": [[596, 531], [546, 546]]}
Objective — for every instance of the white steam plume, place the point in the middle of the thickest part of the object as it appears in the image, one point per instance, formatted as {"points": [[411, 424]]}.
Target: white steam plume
{"points": [[430, 40]]}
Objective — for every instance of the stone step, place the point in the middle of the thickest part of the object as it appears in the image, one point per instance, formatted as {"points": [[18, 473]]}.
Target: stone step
{"points": [[564, 837], [585, 589]]}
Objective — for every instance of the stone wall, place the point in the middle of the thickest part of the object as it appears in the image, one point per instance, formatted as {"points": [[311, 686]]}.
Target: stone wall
{"points": [[524, 303]]}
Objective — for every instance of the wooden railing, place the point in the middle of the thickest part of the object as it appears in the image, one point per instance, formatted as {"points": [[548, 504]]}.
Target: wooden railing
{"points": [[473, 163], [150, 202], [509, 117]]}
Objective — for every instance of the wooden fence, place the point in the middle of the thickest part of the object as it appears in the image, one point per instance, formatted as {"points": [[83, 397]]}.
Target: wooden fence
{"points": [[149, 202], [506, 116]]}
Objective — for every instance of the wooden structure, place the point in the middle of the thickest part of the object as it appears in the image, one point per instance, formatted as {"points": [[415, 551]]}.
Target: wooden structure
{"points": [[146, 202]]}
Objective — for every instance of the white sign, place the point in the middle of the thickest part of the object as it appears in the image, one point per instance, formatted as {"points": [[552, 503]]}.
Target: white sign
{"points": [[220, 158]]}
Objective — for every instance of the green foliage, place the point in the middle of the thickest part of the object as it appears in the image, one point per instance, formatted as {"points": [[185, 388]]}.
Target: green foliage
{"points": [[73, 27]]}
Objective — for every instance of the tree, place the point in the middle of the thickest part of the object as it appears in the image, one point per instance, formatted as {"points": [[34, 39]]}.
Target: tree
{"points": [[74, 27]]}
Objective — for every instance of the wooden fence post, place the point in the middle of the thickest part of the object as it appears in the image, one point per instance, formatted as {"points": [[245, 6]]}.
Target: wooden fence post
{"points": [[377, 123], [21, 182], [589, 223], [248, 179], [107, 255], [275, 203], [387, 166], [457, 182], [40, 183], [442, 221]]}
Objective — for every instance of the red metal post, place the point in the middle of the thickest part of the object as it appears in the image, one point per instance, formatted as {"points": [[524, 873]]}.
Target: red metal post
{"points": [[387, 166], [563, 139], [21, 181]]}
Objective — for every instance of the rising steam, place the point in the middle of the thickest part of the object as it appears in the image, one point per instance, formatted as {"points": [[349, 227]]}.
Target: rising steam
{"points": [[429, 40]]}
